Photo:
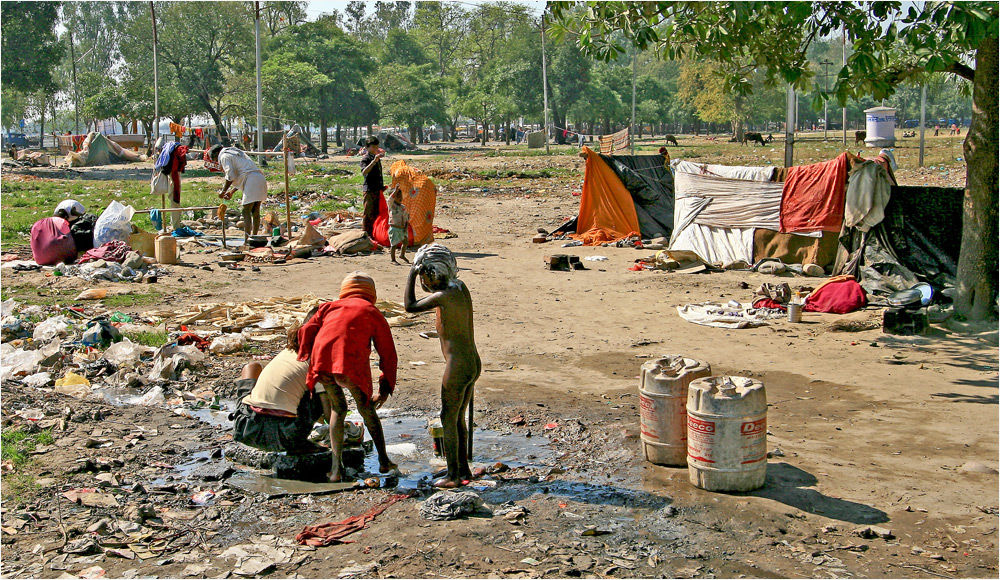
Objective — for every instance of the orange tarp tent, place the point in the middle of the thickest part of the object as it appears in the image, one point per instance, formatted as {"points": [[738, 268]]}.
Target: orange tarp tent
{"points": [[607, 211], [419, 198]]}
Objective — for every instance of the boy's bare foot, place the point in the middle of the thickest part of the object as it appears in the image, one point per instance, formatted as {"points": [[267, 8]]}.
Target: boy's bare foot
{"points": [[395, 262], [403, 258], [387, 467], [445, 483], [334, 478]]}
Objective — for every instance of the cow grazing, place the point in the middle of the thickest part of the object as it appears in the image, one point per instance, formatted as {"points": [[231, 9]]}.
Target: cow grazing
{"points": [[668, 139], [754, 137], [859, 136]]}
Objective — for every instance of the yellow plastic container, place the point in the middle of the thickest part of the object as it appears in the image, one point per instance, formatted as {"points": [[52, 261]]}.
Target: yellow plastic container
{"points": [[166, 249]]}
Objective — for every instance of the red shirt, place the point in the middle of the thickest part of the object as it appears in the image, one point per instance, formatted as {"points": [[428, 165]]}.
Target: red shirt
{"points": [[338, 339]]}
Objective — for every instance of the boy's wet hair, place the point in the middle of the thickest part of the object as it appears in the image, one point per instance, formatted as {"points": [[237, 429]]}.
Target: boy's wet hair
{"points": [[373, 140], [213, 153], [438, 259]]}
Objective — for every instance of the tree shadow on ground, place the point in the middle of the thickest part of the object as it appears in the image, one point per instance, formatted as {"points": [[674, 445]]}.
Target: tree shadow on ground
{"points": [[787, 484], [963, 398]]}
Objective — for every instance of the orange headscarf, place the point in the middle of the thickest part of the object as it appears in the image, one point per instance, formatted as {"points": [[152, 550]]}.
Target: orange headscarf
{"points": [[358, 284]]}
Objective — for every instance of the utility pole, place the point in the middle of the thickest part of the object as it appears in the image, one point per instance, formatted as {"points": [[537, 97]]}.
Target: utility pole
{"points": [[844, 109], [156, 82], [76, 94], [545, 87], [790, 105], [260, 99], [923, 121], [826, 101], [631, 141]]}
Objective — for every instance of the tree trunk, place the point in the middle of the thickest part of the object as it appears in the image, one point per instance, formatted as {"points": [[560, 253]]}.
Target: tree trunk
{"points": [[323, 138], [977, 261], [41, 128], [506, 131], [340, 142], [215, 116]]}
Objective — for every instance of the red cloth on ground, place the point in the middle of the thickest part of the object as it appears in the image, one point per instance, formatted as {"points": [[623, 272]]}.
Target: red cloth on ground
{"points": [[338, 339], [838, 297], [113, 251], [178, 161], [331, 533], [192, 338], [51, 242], [768, 303], [812, 198]]}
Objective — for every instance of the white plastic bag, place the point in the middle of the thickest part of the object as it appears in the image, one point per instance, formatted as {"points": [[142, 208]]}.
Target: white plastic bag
{"points": [[159, 184], [153, 397], [51, 328], [115, 223], [19, 362], [8, 307], [37, 379], [227, 343], [125, 353]]}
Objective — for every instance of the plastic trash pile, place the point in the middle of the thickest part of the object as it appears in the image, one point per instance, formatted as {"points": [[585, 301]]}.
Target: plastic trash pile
{"points": [[133, 269]]}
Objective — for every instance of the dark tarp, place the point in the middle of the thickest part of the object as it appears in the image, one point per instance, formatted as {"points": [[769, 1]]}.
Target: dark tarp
{"points": [[918, 241], [652, 187]]}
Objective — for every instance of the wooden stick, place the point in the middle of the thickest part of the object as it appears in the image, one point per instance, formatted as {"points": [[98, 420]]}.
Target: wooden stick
{"points": [[288, 205], [179, 209], [472, 397], [270, 153]]}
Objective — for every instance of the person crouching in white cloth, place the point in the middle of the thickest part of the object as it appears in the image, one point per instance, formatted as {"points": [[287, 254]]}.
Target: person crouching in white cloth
{"points": [[243, 174]]}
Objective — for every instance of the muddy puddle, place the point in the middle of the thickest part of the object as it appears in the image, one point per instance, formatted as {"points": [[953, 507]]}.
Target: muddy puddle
{"points": [[408, 443]]}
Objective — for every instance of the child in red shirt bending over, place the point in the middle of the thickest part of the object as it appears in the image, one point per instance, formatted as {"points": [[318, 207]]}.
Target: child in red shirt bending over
{"points": [[337, 343]]}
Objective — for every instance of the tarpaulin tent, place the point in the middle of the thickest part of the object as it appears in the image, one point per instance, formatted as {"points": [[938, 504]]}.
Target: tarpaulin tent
{"points": [[419, 198], [387, 141], [918, 241], [624, 196], [99, 150]]}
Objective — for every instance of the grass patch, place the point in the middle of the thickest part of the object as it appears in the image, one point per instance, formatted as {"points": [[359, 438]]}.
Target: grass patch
{"points": [[151, 338], [29, 294], [17, 444], [18, 487], [129, 300]]}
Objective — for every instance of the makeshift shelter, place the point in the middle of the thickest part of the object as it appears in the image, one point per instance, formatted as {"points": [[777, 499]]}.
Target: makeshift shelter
{"points": [[99, 150], [624, 196], [918, 240], [419, 198], [387, 141]]}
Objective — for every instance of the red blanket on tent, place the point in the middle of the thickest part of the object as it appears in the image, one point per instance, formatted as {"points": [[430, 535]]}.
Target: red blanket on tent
{"points": [[812, 198]]}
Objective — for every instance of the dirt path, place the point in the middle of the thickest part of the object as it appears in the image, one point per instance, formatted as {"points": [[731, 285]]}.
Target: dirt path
{"points": [[873, 430]]}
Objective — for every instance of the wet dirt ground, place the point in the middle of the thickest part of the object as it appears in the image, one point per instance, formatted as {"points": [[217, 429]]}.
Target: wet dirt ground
{"points": [[867, 430]]}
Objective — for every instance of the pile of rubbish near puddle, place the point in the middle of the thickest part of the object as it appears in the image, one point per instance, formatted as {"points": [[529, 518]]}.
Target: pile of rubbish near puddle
{"points": [[83, 351]]}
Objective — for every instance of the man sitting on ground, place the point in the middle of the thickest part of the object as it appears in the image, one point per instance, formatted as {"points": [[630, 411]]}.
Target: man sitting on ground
{"points": [[276, 411]]}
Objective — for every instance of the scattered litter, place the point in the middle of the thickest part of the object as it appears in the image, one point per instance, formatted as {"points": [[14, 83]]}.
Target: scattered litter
{"points": [[417, 363], [333, 533], [227, 343], [93, 294], [450, 505], [596, 258]]}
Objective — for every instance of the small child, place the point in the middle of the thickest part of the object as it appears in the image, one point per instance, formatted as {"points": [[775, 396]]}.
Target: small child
{"points": [[399, 221], [435, 265]]}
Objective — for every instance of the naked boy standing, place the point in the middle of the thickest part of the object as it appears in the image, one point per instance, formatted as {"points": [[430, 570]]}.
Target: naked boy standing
{"points": [[450, 298]]}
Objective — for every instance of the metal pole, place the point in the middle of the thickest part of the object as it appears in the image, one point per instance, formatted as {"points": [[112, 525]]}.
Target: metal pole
{"points": [[260, 98], [790, 102], [631, 140], [288, 205], [923, 121], [76, 94], [545, 87], [156, 81], [844, 109]]}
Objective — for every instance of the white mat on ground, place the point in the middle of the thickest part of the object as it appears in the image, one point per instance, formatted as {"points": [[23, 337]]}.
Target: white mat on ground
{"points": [[722, 316]]}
